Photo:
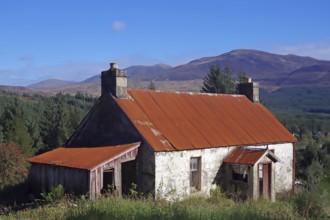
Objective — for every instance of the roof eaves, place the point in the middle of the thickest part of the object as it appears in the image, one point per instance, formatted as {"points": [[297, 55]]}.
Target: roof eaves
{"points": [[134, 146]]}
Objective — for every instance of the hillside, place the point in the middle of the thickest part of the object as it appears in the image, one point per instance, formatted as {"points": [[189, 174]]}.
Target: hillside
{"points": [[273, 71], [137, 71], [270, 69], [50, 84]]}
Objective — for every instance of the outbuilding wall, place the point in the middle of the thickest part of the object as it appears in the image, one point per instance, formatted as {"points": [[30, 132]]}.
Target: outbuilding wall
{"points": [[43, 176]]}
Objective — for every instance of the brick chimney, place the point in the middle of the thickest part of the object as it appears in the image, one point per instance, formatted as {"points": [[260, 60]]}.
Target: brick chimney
{"points": [[249, 89], [114, 81]]}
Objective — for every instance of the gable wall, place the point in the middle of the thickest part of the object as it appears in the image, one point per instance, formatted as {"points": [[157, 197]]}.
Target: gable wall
{"points": [[104, 125]]}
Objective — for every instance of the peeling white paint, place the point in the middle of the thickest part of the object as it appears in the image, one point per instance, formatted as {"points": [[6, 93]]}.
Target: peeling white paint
{"points": [[156, 132], [165, 143], [144, 123]]}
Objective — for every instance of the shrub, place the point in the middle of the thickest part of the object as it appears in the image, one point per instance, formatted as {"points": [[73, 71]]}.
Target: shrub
{"points": [[12, 165], [55, 194], [310, 204]]}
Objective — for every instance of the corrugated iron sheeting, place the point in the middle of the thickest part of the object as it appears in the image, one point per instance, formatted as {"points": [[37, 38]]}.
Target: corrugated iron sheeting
{"points": [[183, 121], [245, 156], [82, 158]]}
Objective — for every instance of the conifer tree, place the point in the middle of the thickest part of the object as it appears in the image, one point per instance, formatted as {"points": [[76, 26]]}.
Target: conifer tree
{"points": [[15, 128], [55, 122], [152, 85], [219, 80]]}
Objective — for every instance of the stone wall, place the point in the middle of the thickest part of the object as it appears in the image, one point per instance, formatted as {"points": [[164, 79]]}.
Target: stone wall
{"points": [[284, 168], [172, 171]]}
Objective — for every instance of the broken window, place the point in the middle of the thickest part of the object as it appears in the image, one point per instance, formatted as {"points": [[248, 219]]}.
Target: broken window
{"points": [[108, 181], [195, 173], [240, 173]]}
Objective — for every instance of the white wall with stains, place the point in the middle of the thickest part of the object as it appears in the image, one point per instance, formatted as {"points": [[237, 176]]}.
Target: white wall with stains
{"points": [[284, 168], [172, 170]]}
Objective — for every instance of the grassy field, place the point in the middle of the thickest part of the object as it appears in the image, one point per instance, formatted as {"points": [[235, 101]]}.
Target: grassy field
{"points": [[303, 205], [195, 208]]}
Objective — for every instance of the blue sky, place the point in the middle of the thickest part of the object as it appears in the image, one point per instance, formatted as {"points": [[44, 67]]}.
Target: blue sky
{"points": [[76, 39]]}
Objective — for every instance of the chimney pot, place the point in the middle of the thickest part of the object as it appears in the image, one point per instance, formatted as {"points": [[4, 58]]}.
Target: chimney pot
{"points": [[113, 66]]}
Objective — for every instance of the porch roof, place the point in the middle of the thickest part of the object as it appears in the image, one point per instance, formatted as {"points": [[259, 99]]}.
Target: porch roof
{"points": [[249, 156], [83, 158]]}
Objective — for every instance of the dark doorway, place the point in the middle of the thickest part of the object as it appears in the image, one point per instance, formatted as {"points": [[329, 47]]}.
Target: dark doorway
{"points": [[128, 176], [265, 180], [108, 181]]}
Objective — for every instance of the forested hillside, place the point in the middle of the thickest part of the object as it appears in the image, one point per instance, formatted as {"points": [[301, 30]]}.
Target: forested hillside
{"points": [[301, 109], [33, 124]]}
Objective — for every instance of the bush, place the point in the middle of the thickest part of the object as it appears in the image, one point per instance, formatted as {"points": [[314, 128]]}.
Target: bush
{"points": [[311, 204], [55, 194], [12, 165]]}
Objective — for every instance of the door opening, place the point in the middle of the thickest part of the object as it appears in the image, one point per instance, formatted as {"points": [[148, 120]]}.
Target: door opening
{"points": [[108, 181], [128, 176], [264, 172]]}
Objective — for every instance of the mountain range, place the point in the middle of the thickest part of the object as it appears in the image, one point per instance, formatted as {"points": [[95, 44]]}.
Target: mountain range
{"points": [[271, 70]]}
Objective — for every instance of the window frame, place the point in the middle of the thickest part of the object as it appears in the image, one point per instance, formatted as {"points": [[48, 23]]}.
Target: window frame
{"points": [[195, 172]]}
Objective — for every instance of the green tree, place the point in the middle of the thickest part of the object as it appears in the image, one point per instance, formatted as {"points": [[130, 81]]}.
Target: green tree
{"points": [[2, 136], [152, 85], [14, 125], [55, 122], [219, 80], [241, 76]]}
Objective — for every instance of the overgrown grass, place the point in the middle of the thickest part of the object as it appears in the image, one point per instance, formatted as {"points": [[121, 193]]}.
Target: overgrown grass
{"points": [[215, 207], [296, 206]]}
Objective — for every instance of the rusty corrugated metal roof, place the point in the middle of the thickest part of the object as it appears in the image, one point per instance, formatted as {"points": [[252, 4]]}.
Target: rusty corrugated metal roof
{"points": [[183, 121], [82, 158], [244, 156]]}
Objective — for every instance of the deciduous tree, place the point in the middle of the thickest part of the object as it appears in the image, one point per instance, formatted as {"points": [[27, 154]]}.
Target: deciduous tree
{"points": [[12, 165]]}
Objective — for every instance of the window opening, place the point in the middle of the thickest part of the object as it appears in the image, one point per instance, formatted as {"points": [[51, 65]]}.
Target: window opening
{"points": [[195, 173]]}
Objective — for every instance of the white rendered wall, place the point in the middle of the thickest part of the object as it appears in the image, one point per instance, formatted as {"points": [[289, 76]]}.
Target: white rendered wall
{"points": [[172, 171], [284, 168]]}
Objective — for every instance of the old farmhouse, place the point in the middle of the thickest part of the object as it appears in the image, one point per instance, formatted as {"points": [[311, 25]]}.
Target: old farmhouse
{"points": [[172, 145]]}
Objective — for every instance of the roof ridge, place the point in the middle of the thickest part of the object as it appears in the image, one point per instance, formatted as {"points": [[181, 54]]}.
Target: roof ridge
{"points": [[185, 92]]}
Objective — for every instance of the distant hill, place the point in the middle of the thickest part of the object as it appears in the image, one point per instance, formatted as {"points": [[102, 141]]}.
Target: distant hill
{"points": [[21, 90], [262, 66], [315, 74], [50, 84], [273, 71], [139, 71], [270, 69]]}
